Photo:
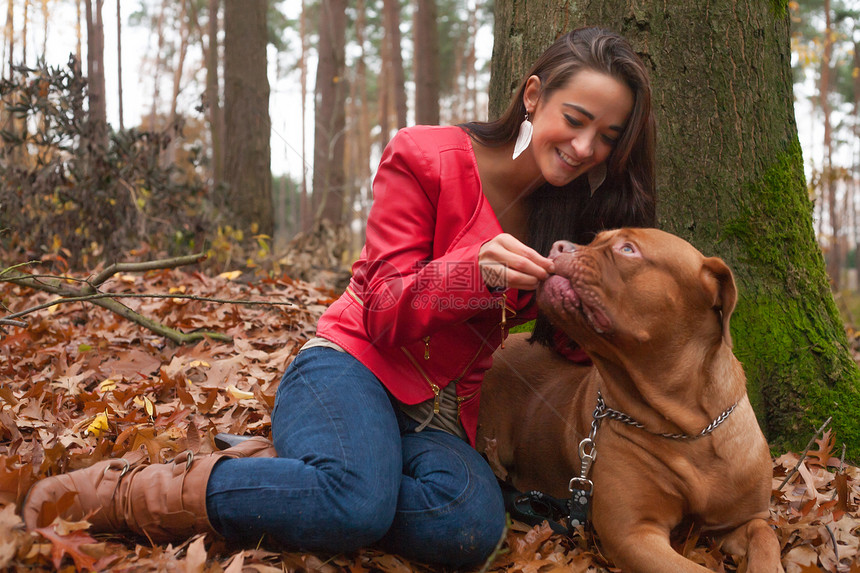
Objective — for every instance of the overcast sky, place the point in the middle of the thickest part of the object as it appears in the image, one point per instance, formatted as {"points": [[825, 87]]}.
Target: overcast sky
{"points": [[285, 100]]}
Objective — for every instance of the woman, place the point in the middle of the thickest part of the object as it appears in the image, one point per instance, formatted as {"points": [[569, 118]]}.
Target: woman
{"points": [[375, 418]]}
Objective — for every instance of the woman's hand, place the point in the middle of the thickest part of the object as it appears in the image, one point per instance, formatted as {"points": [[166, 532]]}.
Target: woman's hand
{"points": [[506, 262]]}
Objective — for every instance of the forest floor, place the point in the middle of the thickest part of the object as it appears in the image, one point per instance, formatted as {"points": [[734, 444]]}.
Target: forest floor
{"points": [[81, 384]]}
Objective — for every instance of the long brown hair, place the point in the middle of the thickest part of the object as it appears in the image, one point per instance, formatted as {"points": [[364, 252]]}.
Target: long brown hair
{"points": [[627, 198]]}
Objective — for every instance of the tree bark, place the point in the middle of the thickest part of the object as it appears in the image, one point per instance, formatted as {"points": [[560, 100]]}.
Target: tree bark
{"points": [[215, 113], [184, 32], [828, 174], [79, 40], [10, 34], [45, 16], [303, 207], [330, 113], [95, 72], [855, 161], [247, 161], [731, 181], [26, 21], [393, 39], [426, 38], [159, 64], [119, 61], [363, 142]]}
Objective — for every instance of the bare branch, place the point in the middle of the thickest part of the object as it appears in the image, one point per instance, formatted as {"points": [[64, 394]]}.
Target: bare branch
{"points": [[145, 266], [115, 295], [89, 293]]}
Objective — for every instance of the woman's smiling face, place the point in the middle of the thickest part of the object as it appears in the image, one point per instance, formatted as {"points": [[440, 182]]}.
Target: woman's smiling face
{"points": [[578, 125]]}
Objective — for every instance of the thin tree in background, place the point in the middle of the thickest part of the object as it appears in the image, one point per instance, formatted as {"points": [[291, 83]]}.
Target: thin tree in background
{"points": [[184, 23], [827, 173], [179, 67], [383, 103], [303, 206], [95, 71], [426, 63], [247, 149], [119, 62], [79, 34], [471, 76], [459, 109], [158, 65], [361, 133], [855, 156], [26, 21], [215, 115], [397, 75], [44, 5], [329, 113], [10, 36]]}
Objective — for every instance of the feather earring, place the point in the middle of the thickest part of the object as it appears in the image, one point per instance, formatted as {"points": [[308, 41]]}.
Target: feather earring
{"points": [[596, 177], [524, 137]]}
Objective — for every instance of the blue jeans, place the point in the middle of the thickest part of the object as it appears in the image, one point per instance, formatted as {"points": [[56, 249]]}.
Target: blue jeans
{"points": [[351, 472]]}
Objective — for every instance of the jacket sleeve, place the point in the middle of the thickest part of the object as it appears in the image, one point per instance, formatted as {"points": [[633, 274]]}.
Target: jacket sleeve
{"points": [[405, 292]]}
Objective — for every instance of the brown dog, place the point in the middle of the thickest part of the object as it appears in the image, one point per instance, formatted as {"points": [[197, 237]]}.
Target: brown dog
{"points": [[653, 314]]}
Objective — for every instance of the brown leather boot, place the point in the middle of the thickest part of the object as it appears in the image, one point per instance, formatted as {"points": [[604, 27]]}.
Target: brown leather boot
{"points": [[164, 502]]}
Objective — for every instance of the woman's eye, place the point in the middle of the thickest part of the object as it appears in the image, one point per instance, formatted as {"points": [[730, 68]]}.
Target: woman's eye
{"points": [[609, 140], [572, 121]]}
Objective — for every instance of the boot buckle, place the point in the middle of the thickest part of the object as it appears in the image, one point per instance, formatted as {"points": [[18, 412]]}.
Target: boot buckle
{"points": [[112, 465], [189, 458]]}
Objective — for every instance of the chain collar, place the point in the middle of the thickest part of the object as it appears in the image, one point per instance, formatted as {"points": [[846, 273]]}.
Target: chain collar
{"points": [[603, 411], [581, 487]]}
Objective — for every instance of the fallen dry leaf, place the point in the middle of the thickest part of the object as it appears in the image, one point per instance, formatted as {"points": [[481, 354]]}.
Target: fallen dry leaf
{"points": [[80, 385]]}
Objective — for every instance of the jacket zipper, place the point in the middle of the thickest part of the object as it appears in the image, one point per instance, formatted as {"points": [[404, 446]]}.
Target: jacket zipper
{"points": [[435, 387], [461, 399]]}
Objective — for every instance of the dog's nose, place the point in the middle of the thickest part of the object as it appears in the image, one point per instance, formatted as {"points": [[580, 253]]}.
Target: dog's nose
{"points": [[560, 247]]}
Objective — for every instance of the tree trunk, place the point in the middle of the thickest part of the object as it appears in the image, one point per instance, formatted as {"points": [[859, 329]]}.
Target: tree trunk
{"points": [[247, 161], [159, 64], [184, 32], [855, 160], [426, 65], [330, 113], [119, 61], [79, 36], [215, 113], [10, 35], [382, 104], [95, 72], [363, 136], [45, 17], [828, 174], [731, 181], [303, 207], [397, 77], [26, 20], [186, 20], [471, 77]]}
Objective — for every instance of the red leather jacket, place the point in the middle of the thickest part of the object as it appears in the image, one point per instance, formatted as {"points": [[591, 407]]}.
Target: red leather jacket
{"points": [[417, 312]]}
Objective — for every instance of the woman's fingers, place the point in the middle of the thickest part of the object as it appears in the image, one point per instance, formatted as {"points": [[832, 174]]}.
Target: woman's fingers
{"points": [[507, 262]]}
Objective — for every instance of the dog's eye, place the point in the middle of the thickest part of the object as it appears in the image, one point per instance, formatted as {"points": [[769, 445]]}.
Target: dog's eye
{"points": [[627, 249]]}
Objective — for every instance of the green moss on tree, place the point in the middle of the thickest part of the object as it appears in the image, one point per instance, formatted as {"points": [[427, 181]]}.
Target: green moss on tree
{"points": [[780, 7], [779, 338]]}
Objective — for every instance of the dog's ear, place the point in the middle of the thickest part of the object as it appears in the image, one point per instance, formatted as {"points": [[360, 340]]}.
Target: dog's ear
{"points": [[719, 286]]}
